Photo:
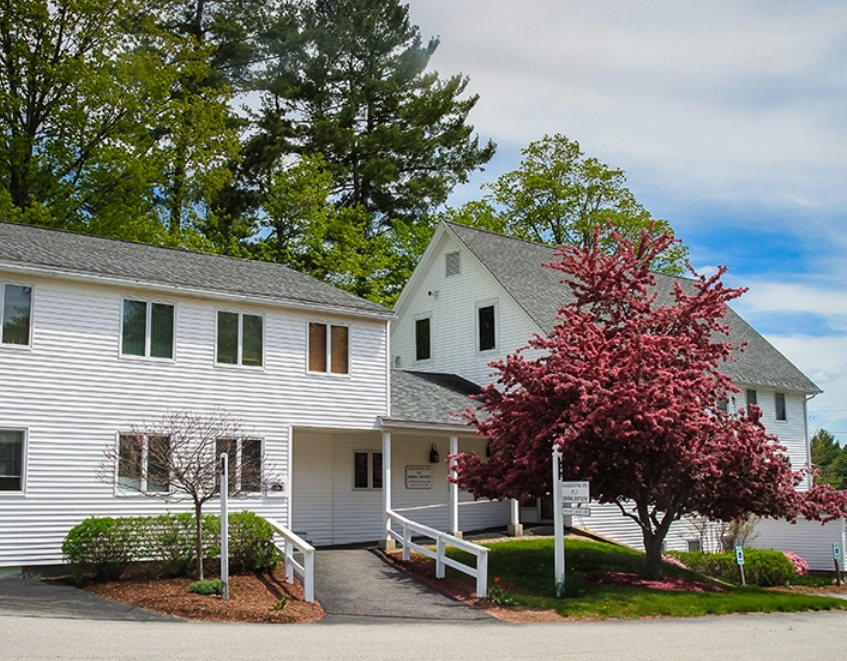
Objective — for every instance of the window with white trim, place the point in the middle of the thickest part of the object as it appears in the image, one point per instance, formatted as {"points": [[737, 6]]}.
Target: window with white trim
{"points": [[751, 396], [367, 469], [15, 314], [779, 406], [240, 339], [329, 348], [12, 452], [244, 462], [143, 463], [147, 329], [423, 339], [486, 327]]}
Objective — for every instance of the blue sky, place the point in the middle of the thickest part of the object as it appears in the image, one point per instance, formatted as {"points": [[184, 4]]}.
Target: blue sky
{"points": [[728, 118]]}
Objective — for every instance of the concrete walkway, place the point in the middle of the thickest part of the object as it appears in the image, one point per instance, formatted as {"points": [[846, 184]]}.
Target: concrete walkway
{"points": [[31, 597], [358, 586]]}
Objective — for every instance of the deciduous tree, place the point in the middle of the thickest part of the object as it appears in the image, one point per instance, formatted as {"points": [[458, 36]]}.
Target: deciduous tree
{"points": [[626, 386]]}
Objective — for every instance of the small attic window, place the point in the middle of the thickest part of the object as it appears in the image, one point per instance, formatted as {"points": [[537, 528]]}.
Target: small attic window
{"points": [[453, 263]]}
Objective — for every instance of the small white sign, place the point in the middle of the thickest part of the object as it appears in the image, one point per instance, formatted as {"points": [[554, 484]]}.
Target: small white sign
{"points": [[419, 477], [739, 555], [575, 492], [836, 551]]}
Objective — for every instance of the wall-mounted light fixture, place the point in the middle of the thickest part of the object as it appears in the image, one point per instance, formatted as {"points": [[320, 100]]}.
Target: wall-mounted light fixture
{"points": [[434, 458]]}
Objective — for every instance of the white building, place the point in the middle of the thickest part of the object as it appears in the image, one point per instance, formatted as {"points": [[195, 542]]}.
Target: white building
{"points": [[98, 335], [477, 296]]}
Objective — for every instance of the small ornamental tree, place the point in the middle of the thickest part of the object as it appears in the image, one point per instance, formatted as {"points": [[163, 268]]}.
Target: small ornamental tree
{"points": [[627, 386], [177, 457]]}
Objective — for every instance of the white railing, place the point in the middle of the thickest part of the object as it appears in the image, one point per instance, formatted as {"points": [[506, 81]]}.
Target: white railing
{"points": [[292, 544], [442, 541]]}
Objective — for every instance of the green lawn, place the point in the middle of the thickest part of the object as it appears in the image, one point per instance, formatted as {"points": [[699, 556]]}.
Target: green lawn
{"points": [[528, 564]]}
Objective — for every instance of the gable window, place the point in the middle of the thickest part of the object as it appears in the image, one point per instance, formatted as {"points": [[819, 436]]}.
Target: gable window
{"points": [[423, 349], [15, 314], [147, 329], [240, 339], [779, 405], [452, 264], [329, 348], [486, 331], [244, 460], [143, 463], [367, 470], [752, 397], [11, 459]]}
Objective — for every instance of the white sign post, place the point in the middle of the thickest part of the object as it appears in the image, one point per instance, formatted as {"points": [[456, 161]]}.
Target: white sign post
{"points": [[558, 525], [224, 527], [836, 558]]}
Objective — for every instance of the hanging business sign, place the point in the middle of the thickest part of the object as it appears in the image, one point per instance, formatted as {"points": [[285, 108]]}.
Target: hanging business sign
{"points": [[419, 477]]}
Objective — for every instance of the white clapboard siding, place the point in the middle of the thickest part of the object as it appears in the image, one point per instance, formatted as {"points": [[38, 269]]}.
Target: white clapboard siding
{"points": [[327, 510], [808, 539], [73, 393], [453, 318]]}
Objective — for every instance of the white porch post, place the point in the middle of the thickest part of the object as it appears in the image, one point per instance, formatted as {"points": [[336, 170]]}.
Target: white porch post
{"points": [[515, 528], [454, 493], [387, 542]]}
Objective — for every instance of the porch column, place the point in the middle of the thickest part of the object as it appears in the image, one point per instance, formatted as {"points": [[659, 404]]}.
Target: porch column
{"points": [[387, 542], [515, 529], [454, 493]]}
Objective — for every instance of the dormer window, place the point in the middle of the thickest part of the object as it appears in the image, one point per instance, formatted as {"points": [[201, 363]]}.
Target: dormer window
{"points": [[452, 263]]}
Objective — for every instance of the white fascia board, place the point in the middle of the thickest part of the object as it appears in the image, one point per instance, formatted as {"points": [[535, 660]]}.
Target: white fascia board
{"points": [[422, 267], [76, 276], [407, 426]]}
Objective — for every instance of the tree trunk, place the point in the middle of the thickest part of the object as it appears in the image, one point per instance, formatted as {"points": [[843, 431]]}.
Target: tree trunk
{"points": [[198, 531], [653, 550]]}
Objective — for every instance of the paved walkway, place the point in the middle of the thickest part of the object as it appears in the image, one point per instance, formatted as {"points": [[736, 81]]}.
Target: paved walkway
{"points": [[358, 586], [30, 597]]}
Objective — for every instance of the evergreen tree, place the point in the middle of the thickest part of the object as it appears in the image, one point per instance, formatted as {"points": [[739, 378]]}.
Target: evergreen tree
{"points": [[829, 459]]}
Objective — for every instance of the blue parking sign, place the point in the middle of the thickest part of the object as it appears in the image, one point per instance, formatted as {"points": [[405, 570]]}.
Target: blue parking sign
{"points": [[739, 555]]}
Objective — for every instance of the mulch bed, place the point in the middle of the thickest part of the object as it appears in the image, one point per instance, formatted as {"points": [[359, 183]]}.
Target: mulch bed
{"points": [[251, 599], [636, 581]]}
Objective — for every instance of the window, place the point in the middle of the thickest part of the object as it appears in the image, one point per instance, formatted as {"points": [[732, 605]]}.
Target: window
{"points": [[452, 263], [723, 405], [693, 545], [779, 405], [240, 339], [15, 314], [244, 457], [752, 397], [486, 327], [367, 470], [329, 348], [148, 329], [11, 459], [143, 463], [422, 340]]}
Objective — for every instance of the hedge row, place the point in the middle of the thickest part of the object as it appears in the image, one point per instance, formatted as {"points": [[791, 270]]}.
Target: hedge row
{"points": [[107, 546], [764, 567]]}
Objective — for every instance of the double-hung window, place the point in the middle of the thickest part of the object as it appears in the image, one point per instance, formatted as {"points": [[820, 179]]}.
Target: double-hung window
{"points": [[752, 397], [144, 463], [423, 340], [244, 460], [15, 314], [367, 470], [779, 406], [486, 326], [329, 348], [240, 339], [12, 459], [147, 329]]}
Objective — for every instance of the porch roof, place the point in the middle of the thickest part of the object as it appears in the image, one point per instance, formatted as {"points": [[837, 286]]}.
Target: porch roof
{"points": [[429, 398]]}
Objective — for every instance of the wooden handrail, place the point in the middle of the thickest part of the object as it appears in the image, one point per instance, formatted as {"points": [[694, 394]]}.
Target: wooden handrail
{"points": [[304, 571]]}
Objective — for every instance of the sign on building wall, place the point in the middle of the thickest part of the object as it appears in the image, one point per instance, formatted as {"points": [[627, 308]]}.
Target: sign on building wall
{"points": [[419, 477]]}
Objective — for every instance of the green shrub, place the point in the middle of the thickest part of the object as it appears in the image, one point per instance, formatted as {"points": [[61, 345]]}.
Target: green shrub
{"points": [[106, 547], [207, 587], [764, 567]]}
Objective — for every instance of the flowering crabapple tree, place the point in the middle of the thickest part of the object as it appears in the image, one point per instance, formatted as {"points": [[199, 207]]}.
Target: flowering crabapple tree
{"points": [[627, 386]]}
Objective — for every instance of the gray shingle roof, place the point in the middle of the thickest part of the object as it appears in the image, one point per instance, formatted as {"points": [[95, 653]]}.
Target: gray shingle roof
{"points": [[97, 256], [424, 397], [516, 265]]}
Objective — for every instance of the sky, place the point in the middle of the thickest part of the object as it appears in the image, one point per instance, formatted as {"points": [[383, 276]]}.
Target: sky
{"points": [[729, 118]]}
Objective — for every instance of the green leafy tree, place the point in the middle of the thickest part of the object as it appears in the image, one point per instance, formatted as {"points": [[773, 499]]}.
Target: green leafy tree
{"points": [[829, 458], [348, 80], [560, 196]]}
